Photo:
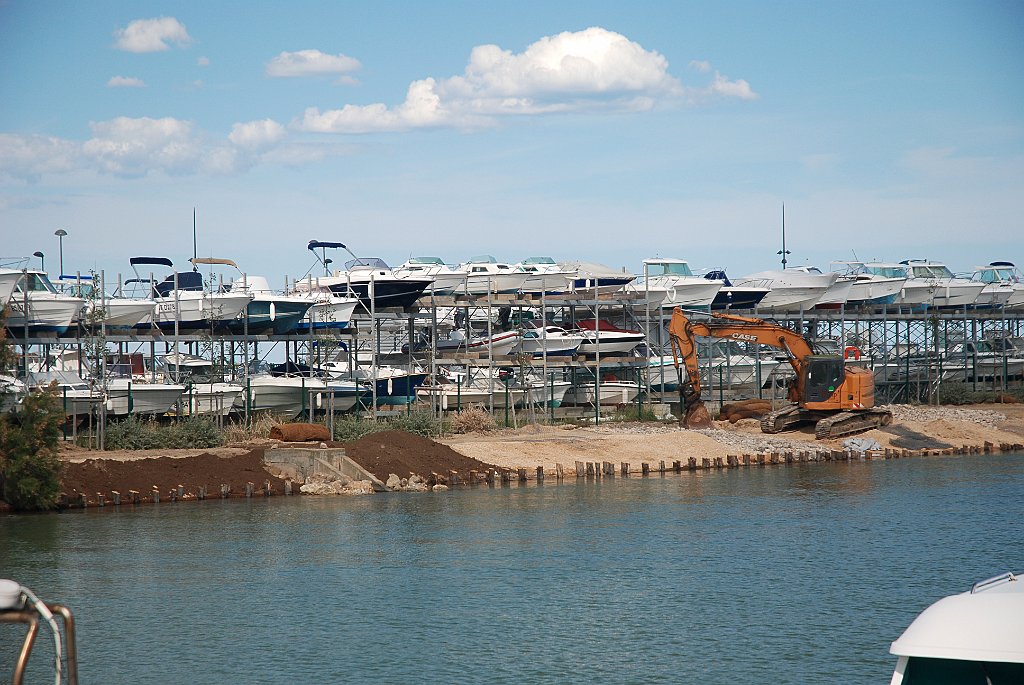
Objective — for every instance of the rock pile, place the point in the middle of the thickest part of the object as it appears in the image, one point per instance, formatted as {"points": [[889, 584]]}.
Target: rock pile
{"points": [[319, 484], [924, 414], [413, 483]]}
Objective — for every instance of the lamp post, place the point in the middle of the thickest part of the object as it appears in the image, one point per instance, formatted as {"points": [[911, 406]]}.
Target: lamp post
{"points": [[60, 233], [42, 260], [783, 251]]}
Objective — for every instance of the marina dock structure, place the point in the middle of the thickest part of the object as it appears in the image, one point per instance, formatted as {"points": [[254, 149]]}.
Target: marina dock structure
{"points": [[586, 353]]}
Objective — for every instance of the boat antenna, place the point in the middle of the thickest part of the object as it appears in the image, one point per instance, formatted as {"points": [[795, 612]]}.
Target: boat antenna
{"points": [[195, 251], [783, 251]]}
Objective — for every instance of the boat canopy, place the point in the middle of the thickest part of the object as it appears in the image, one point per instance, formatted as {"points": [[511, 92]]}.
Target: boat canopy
{"points": [[162, 261], [427, 260], [316, 244], [187, 280], [718, 275], [483, 259], [538, 260], [212, 260]]}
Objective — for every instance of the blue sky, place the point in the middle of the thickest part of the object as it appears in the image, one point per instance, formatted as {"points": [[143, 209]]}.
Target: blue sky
{"points": [[602, 131]]}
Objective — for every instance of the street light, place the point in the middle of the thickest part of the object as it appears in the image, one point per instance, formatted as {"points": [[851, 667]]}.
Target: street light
{"points": [[60, 233], [42, 260]]}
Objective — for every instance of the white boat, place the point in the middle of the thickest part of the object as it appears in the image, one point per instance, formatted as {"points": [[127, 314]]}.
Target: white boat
{"points": [[548, 393], [868, 288], [113, 311], [544, 275], [283, 396], [971, 637], [453, 392], [131, 396], [8, 279], [950, 291], [35, 303], [670, 283], [368, 278], [447, 280], [612, 393], [603, 338], [790, 289], [837, 294], [732, 296], [735, 370], [499, 343], [550, 340], [12, 391], [486, 274], [914, 293], [76, 395], [1000, 277], [330, 311], [266, 312], [183, 302], [590, 277]]}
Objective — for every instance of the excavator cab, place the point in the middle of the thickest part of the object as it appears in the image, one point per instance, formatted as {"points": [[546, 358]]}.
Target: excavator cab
{"points": [[825, 375]]}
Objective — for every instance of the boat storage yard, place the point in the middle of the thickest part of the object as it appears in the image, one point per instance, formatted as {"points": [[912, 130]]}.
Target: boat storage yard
{"points": [[533, 341]]}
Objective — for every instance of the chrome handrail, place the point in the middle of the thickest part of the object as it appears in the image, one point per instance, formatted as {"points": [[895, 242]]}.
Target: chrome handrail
{"points": [[991, 581], [31, 617]]}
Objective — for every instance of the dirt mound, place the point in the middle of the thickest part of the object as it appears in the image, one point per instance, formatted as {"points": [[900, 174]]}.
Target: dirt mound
{"points": [[403, 453], [103, 475]]}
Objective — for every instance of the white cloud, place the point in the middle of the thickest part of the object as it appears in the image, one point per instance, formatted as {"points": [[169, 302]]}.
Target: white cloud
{"points": [[125, 82], [732, 89], [310, 63], [134, 147], [203, 61], [703, 66], [255, 135], [151, 35], [30, 156], [572, 71]]}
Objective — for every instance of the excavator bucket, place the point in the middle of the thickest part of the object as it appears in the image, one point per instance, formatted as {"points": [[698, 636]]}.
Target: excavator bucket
{"points": [[696, 416]]}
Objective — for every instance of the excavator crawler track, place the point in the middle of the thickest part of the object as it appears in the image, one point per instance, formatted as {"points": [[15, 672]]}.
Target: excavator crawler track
{"points": [[780, 419], [849, 422]]}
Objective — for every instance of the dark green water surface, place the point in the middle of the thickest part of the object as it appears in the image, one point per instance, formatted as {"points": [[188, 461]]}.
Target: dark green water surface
{"points": [[798, 574]]}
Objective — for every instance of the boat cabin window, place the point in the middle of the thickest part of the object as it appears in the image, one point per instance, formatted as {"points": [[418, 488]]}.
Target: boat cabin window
{"points": [[371, 262], [36, 283], [681, 269], [478, 269], [885, 271], [921, 670], [942, 271], [538, 260]]}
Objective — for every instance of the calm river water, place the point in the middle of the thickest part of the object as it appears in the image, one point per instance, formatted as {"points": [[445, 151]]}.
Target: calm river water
{"points": [[800, 574]]}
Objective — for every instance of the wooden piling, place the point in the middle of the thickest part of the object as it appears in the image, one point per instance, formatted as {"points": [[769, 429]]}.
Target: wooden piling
{"points": [[453, 477], [115, 497], [559, 474], [624, 468], [661, 467], [83, 501], [522, 475], [181, 491], [287, 488], [101, 499], [705, 463], [677, 466], [590, 469], [645, 469], [268, 489], [540, 474], [249, 488], [224, 490], [156, 495], [134, 497]]}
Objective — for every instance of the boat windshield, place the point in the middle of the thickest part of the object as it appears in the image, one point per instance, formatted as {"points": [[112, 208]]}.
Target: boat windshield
{"points": [[538, 260], [434, 261], [36, 283], [885, 271], [366, 262], [670, 269], [942, 271], [925, 272]]}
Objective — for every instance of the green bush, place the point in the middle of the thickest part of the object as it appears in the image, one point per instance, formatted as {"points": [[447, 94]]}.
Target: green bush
{"points": [[29, 465], [350, 428], [955, 393], [134, 433]]}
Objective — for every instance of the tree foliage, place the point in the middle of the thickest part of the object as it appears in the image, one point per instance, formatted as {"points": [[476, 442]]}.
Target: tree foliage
{"points": [[29, 464]]}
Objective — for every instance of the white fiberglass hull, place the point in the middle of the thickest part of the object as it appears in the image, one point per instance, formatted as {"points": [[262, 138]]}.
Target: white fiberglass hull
{"points": [[957, 292], [610, 343], [481, 284], [561, 346], [8, 279], [47, 313], [612, 393], [876, 290], [128, 397], [994, 295], [121, 312], [915, 293], [210, 399], [282, 396], [193, 310], [452, 396], [556, 282]]}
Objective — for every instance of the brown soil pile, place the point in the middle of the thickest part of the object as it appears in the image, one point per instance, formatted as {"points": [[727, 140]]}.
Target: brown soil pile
{"points": [[402, 453], [103, 475]]}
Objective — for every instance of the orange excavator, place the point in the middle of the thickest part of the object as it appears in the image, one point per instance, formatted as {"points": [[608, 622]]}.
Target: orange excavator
{"points": [[840, 399]]}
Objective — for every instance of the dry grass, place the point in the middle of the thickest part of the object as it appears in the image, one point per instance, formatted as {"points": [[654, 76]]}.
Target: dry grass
{"points": [[472, 420], [260, 428]]}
